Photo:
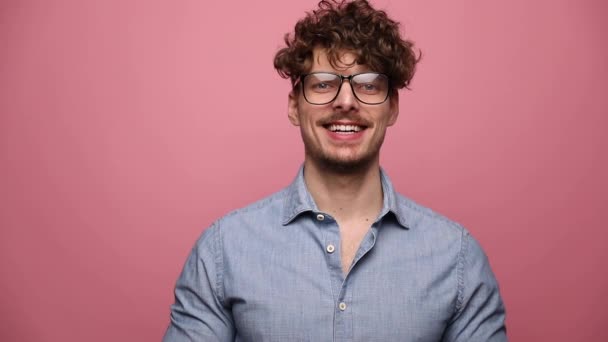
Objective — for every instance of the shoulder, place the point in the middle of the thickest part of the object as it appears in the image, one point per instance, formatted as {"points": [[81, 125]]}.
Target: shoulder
{"points": [[441, 230], [424, 220], [431, 227], [267, 208], [264, 214]]}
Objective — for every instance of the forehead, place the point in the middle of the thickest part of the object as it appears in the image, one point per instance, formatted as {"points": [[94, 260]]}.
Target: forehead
{"points": [[344, 63]]}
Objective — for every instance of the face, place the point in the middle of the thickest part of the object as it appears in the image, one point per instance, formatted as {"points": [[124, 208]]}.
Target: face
{"points": [[343, 135]]}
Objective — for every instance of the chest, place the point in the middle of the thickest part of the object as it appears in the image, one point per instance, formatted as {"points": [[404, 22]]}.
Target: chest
{"points": [[298, 291], [351, 236]]}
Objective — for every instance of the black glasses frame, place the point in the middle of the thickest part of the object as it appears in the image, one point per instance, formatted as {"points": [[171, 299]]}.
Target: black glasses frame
{"points": [[350, 81]]}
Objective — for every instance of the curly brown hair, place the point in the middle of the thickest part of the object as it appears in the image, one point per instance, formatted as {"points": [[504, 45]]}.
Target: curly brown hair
{"points": [[354, 26]]}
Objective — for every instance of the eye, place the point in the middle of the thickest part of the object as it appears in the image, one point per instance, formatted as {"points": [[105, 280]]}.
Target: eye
{"points": [[320, 86], [369, 86]]}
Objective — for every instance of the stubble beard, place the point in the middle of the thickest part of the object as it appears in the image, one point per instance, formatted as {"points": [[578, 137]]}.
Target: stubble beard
{"points": [[342, 166]]}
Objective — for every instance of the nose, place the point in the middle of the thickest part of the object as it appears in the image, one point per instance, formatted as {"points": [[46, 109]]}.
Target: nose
{"points": [[345, 101]]}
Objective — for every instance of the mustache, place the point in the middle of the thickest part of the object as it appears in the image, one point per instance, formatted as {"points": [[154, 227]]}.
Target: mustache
{"points": [[345, 117]]}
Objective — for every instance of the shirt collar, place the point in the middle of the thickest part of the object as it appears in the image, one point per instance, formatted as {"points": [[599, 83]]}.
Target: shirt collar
{"points": [[298, 200]]}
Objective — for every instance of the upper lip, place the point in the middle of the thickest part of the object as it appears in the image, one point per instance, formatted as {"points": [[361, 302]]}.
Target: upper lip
{"points": [[345, 122]]}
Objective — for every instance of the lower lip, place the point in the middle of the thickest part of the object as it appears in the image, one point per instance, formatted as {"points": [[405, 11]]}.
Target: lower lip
{"points": [[345, 136]]}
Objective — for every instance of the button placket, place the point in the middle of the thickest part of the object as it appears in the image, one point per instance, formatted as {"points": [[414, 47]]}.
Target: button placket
{"points": [[330, 237]]}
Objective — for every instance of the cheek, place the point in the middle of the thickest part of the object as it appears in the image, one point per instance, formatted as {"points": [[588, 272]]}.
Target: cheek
{"points": [[388, 117], [309, 116], [306, 121]]}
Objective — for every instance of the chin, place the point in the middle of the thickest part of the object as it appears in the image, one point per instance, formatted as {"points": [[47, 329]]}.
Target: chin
{"points": [[345, 165]]}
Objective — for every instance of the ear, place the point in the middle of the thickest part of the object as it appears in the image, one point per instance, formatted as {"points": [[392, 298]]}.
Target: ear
{"points": [[394, 108], [292, 111]]}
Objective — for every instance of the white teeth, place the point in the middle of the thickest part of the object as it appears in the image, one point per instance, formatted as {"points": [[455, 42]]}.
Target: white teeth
{"points": [[344, 128]]}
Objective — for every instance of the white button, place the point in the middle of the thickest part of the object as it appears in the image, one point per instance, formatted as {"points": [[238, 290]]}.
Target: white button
{"points": [[342, 306], [330, 248], [320, 217]]}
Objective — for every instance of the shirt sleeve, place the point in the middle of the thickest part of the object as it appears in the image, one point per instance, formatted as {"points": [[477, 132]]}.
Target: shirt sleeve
{"points": [[198, 313], [480, 312]]}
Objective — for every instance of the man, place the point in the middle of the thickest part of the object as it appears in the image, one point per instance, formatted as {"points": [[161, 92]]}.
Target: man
{"points": [[339, 255]]}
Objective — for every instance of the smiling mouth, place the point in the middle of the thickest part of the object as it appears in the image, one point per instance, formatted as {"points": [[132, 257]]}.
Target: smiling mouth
{"points": [[344, 129]]}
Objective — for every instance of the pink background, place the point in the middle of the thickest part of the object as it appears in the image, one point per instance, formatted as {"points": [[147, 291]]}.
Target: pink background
{"points": [[127, 127]]}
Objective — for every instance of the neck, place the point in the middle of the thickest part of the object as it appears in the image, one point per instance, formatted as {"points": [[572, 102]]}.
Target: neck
{"points": [[346, 196]]}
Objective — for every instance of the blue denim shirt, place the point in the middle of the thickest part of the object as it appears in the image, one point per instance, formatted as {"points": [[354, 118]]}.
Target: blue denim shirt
{"points": [[267, 273]]}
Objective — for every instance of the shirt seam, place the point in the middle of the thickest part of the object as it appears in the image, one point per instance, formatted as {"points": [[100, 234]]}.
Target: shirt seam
{"points": [[219, 263], [404, 202], [461, 269]]}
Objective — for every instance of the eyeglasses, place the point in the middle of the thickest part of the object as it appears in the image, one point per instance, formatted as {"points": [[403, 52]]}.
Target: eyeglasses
{"points": [[321, 88]]}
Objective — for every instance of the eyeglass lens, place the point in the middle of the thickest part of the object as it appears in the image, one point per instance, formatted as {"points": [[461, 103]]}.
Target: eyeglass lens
{"points": [[322, 88]]}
